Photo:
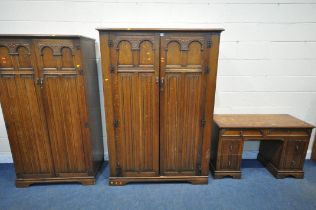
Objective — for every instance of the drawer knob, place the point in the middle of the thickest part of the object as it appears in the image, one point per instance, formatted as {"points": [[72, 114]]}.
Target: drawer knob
{"points": [[296, 147], [241, 133], [229, 163], [112, 68], [231, 147]]}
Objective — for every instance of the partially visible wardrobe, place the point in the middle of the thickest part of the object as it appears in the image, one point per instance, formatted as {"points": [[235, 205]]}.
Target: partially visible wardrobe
{"points": [[314, 150], [51, 107]]}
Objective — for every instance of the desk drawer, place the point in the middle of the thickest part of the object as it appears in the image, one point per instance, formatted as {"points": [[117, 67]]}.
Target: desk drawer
{"points": [[242, 133], [294, 154], [287, 132], [231, 146], [229, 162]]}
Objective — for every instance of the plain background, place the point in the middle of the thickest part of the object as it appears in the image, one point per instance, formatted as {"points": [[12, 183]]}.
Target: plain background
{"points": [[267, 53]]}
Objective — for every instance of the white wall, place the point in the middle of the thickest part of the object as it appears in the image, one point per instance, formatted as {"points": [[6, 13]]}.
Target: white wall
{"points": [[267, 53]]}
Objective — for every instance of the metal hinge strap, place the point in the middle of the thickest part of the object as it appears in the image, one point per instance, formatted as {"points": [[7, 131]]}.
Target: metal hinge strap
{"points": [[116, 123], [86, 125], [206, 70], [112, 68], [203, 122], [209, 43], [110, 43], [199, 169], [118, 170]]}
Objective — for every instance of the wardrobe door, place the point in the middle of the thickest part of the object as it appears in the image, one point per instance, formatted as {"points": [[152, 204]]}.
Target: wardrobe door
{"points": [[135, 89], [182, 99], [22, 110], [62, 89]]}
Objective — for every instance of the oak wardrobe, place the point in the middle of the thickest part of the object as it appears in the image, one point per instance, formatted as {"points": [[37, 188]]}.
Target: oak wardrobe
{"points": [[50, 102], [159, 88]]}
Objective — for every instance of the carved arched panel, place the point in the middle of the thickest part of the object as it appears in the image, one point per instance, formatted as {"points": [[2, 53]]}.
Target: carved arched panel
{"points": [[125, 55], [173, 53], [48, 58], [195, 53], [24, 57], [67, 60], [146, 53], [5, 58]]}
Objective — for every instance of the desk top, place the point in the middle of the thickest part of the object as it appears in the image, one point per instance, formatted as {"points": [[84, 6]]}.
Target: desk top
{"points": [[259, 121], [164, 29]]}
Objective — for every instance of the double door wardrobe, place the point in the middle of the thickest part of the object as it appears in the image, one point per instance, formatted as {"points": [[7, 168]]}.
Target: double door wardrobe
{"points": [[51, 107], [159, 88]]}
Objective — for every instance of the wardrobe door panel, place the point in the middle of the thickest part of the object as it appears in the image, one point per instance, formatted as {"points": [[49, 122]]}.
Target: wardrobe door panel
{"points": [[182, 96], [135, 74], [23, 111], [59, 65]]}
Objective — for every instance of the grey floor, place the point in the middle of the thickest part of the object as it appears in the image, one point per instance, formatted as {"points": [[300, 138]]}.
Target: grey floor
{"points": [[257, 189]]}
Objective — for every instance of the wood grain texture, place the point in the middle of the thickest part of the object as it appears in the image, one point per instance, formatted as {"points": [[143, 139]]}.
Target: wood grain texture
{"points": [[157, 86], [294, 153], [136, 108], [210, 87], [163, 29], [120, 181], [181, 103], [45, 108], [108, 100], [62, 107], [282, 148], [260, 120], [230, 154], [22, 183], [23, 112]]}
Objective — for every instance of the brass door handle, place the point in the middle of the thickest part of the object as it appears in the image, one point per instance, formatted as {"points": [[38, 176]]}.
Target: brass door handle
{"points": [[231, 147], [162, 81], [40, 82]]}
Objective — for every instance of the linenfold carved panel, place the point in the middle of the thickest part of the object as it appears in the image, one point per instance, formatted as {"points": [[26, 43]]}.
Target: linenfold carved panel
{"points": [[159, 93], [51, 107]]}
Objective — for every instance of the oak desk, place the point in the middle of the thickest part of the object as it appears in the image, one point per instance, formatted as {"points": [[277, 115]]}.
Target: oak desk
{"points": [[283, 143]]}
